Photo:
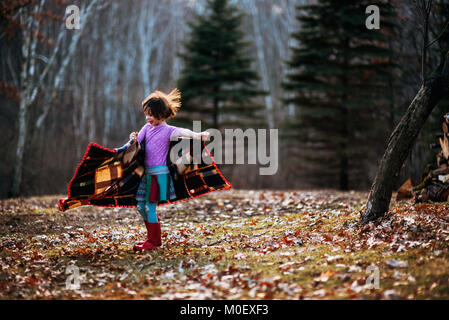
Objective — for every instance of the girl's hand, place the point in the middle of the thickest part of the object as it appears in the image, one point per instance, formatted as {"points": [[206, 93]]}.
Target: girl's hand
{"points": [[204, 135], [133, 136]]}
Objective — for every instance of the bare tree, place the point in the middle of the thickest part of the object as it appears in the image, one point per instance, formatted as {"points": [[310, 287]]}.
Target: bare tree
{"points": [[255, 16], [433, 89], [150, 39], [30, 80]]}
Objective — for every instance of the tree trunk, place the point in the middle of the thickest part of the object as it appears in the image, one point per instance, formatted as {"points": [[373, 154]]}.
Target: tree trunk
{"points": [[215, 112], [146, 34], [262, 62], [346, 135], [31, 87], [17, 178], [401, 140]]}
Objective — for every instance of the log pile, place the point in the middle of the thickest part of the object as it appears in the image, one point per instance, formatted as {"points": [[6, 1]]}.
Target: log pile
{"points": [[435, 183]]}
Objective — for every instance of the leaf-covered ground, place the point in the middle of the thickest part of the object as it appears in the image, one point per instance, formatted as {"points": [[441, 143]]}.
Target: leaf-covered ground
{"points": [[235, 244]]}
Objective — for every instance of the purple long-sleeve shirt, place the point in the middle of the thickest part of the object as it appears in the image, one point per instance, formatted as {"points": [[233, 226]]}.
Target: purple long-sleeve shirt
{"points": [[157, 142]]}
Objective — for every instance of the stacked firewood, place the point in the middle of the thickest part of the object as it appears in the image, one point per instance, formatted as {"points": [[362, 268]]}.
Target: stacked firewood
{"points": [[435, 182]]}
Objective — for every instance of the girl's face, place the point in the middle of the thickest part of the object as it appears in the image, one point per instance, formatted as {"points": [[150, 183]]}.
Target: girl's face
{"points": [[152, 120]]}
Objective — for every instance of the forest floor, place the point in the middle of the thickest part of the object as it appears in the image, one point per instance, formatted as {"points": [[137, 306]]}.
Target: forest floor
{"points": [[234, 244]]}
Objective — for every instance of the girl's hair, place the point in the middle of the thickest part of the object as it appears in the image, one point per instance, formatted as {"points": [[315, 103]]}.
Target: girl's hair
{"points": [[161, 105]]}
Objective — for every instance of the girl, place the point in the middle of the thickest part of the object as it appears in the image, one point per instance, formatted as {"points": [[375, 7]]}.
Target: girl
{"points": [[156, 184]]}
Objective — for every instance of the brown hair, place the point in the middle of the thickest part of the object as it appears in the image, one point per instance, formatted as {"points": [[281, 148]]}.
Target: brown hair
{"points": [[161, 105]]}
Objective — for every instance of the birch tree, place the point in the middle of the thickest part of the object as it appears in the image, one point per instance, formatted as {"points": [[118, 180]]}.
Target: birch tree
{"points": [[30, 80], [149, 39], [258, 39]]}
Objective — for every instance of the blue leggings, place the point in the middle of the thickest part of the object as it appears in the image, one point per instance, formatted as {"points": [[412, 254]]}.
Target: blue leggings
{"points": [[148, 211]]}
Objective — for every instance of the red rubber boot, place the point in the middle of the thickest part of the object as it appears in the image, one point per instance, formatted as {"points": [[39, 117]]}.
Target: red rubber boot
{"points": [[148, 234], [154, 237]]}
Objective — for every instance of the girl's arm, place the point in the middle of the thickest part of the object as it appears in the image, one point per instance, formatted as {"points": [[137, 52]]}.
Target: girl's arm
{"points": [[186, 133], [132, 136], [124, 147]]}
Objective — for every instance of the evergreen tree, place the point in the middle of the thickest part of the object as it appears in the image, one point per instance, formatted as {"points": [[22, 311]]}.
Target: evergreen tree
{"points": [[217, 82], [339, 86]]}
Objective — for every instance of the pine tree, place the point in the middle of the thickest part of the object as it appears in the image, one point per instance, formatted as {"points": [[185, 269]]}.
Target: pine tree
{"points": [[338, 84], [217, 82]]}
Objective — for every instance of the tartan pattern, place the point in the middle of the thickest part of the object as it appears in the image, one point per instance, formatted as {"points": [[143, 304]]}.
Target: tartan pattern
{"points": [[111, 178], [107, 175]]}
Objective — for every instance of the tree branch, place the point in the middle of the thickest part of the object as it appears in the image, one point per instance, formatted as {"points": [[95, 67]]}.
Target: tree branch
{"points": [[439, 36], [426, 6], [68, 56], [13, 72]]}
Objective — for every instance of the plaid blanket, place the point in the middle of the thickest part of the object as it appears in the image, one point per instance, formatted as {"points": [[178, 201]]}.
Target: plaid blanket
{"points": [[110, 178]]}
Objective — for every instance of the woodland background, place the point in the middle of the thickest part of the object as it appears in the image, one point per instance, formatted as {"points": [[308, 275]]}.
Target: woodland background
{"points": [[87, 85]]}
